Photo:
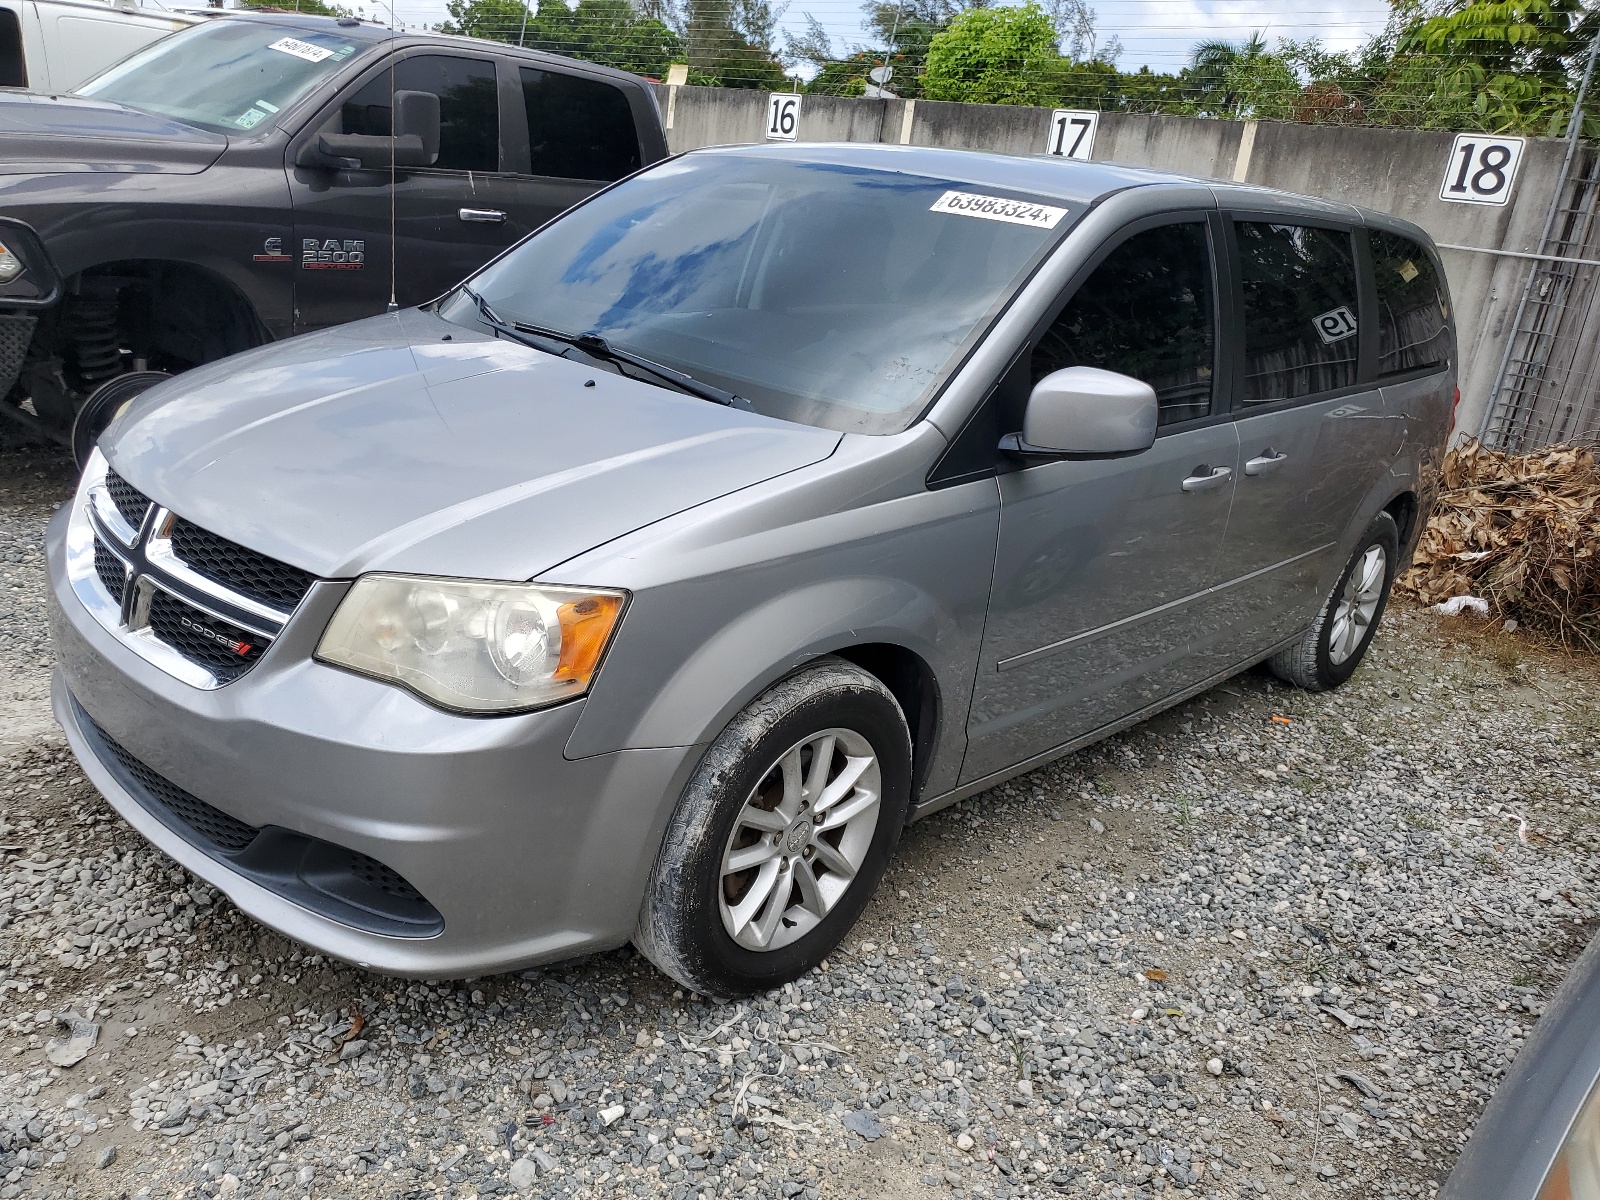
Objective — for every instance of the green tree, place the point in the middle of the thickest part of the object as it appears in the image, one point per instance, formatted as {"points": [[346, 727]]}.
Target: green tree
{"points": [[608, 32], [1147, 91], [994, 56], [1496, 64], [311, 8], [501, 20], [730, 44], [1216, 70]]}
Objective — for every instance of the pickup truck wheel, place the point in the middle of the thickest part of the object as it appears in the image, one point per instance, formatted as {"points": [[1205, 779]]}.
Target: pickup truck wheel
{"points": [[102, 407], [1329, 652], [782, 834]]}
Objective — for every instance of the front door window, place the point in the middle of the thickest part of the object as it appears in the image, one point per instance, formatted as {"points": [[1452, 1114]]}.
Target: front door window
{"points": [[1146, 312], [469, 107]]}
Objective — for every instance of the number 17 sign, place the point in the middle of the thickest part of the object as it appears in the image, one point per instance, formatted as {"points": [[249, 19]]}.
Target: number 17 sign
{"points": [[1072, 134], [1481, 168]]}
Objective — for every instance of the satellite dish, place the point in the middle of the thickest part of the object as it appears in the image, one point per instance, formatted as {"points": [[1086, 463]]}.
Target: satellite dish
{"points": [[881, 75]]}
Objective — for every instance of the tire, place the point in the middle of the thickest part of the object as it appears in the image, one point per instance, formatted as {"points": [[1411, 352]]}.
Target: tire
{"points": [[1328, 653], [703, 925], [103, 406]]}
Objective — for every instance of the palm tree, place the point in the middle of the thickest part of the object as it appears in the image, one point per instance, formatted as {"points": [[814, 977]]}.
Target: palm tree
{"points": [[1213, 63]]}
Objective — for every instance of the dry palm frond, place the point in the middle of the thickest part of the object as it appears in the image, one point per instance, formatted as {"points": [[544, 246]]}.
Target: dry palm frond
{"points": [[1523, 532]]}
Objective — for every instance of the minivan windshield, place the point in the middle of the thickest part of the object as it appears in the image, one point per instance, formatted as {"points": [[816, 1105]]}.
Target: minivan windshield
{"points": [[227, 76], [829, 294]]}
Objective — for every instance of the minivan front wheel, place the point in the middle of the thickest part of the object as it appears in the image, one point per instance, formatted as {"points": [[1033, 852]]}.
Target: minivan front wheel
{"points": [[782, 834], [1329, 652]]}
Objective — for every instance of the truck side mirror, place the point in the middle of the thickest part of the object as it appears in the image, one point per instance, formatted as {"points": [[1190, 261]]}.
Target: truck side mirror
{"points": [[415, 121], [1084, 411], [416, 115]]}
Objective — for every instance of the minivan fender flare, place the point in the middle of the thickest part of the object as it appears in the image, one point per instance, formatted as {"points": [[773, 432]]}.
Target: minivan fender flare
{"points": [[1397, 484], [772, 640]]}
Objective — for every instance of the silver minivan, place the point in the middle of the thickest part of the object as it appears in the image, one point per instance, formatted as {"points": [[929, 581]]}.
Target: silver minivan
{"points": [[645, 585]]}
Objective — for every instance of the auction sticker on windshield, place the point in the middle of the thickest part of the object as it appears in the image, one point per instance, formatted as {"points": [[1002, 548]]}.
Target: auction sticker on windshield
{"points": [[998, 208], [301, 49]]}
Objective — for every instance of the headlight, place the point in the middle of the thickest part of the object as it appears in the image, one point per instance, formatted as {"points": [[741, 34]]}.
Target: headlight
{"points": [[10, 264], [477, 647]]}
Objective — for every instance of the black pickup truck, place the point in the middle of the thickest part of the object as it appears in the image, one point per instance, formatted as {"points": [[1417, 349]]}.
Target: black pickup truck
{"points": [[262, 175]]}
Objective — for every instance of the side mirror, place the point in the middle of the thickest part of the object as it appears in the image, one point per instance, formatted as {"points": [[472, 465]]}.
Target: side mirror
{"points": [[1086, 411], [415, 142]]}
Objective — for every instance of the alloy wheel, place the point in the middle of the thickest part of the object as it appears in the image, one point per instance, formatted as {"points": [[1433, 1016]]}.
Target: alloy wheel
{"points": [[1352, 618], [799, 839]]}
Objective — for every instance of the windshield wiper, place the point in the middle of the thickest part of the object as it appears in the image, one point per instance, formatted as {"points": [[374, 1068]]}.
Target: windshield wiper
{"points": [[596, 346]]}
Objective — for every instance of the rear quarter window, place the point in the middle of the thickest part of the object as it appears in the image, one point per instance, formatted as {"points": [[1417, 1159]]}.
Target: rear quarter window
{"points": [[578, 128], [1413, 314]]}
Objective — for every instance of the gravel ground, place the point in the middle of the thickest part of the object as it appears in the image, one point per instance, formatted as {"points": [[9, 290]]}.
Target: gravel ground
{"points": [[1270, 943]]}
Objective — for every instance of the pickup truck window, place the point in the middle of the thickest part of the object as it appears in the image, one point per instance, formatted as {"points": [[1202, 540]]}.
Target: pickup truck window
{"points": [[13, 67], [578, 128], [229, 76], [469, 107]]}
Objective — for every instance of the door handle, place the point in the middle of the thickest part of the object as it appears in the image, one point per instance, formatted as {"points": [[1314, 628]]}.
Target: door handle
{"points": [[1215, 478], [489, 216], [1269, 458]]}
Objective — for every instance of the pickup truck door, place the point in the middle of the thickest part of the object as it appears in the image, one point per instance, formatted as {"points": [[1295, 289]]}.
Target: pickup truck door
{"points": [[568, 135], [448, 219]]}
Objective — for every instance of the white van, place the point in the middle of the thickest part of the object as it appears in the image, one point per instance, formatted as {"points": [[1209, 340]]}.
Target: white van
{"points": [[54, 45]]}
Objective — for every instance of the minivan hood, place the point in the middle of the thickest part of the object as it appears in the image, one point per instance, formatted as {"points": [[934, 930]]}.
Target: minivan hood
{"points": [[408, 443], [43, 134]]}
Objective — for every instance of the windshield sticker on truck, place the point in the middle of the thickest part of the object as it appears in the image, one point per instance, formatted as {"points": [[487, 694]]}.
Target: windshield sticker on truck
{"points": [[332, 254], [1335, 325], [998, 208], [301, 49], [250, 118]]}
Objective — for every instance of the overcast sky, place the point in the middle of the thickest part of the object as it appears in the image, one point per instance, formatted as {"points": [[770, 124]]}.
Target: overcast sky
{"points": [[1154, 33]]}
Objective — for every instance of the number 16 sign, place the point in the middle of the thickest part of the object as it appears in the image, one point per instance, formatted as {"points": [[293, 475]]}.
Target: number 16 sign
{"points": [[783, 116], [1481, 168]]}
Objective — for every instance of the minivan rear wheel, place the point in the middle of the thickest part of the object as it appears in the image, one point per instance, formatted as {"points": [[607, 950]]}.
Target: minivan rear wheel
{"points": [[1329, 652], [782, 834]]}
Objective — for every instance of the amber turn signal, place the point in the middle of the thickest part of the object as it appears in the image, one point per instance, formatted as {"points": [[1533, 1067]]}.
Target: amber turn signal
{"points": [[586, 627]]}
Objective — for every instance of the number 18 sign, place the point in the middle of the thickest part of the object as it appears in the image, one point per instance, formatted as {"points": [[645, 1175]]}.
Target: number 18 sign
{"points": [[1481, 169]]}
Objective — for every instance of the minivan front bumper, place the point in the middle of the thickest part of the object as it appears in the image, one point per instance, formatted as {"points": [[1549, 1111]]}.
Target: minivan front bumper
{"points": [[494, 850]]}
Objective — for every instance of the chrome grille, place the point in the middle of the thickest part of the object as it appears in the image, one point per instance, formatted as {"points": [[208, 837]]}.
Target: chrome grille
{"points": [[198, 606]]}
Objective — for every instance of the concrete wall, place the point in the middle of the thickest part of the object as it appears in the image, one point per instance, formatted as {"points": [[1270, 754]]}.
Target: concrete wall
{"points": [[1394, 170]]}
